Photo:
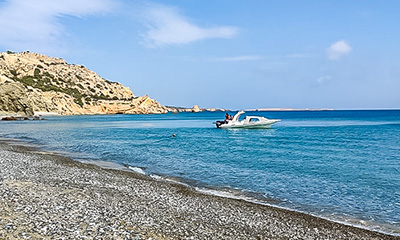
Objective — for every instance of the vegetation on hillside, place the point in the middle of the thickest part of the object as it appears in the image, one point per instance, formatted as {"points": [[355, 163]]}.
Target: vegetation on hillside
{"points": [[47, 82]]}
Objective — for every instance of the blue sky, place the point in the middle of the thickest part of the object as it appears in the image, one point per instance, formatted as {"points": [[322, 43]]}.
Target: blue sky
{"points": [[341, 54]]}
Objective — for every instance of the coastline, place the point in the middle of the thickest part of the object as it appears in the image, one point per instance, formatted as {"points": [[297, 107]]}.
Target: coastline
{"points": [[47, 195]]}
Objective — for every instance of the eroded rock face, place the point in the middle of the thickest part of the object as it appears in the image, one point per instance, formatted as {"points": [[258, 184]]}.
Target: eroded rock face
{"points": [[31, 82], [14, 99]]}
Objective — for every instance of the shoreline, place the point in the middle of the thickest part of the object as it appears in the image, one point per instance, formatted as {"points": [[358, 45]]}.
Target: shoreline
{"points": [[236, 194], [229, 193], [139, 206]]}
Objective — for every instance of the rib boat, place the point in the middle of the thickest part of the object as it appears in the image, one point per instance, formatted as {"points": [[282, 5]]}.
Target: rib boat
{"points": [[247, 122]]}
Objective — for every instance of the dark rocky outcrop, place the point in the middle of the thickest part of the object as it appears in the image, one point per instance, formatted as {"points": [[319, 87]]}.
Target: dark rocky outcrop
{"points": [[14, 99]]}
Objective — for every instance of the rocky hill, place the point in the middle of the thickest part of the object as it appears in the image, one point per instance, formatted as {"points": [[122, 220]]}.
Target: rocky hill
{"points": [[34, 83]]}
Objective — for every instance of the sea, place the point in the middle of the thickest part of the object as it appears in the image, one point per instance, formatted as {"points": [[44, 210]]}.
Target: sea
{"points": [[339, 165]]}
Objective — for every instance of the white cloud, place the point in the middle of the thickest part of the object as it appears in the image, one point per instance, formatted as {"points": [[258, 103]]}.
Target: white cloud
{"points": [[35, 25], [166, 27], [323, 79], [338, 49], [239, 58]]}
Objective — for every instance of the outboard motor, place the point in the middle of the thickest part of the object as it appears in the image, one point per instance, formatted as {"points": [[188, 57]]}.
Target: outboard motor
{"points": [[219, 123]]}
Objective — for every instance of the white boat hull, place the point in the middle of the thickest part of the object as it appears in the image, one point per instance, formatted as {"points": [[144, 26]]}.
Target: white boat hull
{"points": [[248, 122], [251, 125]]}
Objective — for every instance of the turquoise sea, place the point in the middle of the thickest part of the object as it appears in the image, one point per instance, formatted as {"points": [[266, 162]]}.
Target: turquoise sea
{"points": [[340, 165]]}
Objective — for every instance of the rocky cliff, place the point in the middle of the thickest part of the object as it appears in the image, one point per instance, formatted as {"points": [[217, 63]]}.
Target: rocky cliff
{"points": [[32, 83]]}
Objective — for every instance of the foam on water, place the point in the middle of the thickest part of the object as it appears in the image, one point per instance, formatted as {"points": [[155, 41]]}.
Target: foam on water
{"points": [[137, 170]]}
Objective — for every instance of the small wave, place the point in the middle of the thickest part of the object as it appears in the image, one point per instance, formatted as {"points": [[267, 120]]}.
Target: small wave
{"points": [[156, 177], [169, 179], [103, 164], [224, 193], [371, 225], [137, 170]]}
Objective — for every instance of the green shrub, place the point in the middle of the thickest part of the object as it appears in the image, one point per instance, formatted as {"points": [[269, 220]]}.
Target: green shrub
{"points": [[78, 101], [79, 77], [47, 74], [108, 81], [27, 80], [36, 73], [14, 72]]}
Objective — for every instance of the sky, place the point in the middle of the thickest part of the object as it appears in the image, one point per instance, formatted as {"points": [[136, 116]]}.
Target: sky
{"points": [[341, 54]]}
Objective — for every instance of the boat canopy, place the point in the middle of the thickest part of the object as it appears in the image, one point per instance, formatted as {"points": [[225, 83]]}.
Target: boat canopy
{"points": [[237, 115]]}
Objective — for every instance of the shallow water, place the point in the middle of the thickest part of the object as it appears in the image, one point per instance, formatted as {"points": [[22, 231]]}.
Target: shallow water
{"points": [[343, 165]]}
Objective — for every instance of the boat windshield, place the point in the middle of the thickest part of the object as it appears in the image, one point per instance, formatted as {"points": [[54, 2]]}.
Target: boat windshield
{"points": [[254, 120]]}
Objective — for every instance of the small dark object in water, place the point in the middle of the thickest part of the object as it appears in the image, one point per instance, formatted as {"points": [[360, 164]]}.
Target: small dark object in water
{"points": [[9, 119], [173, 135]]}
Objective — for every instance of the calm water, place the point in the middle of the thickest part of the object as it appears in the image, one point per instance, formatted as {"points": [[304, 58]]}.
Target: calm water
{"points": [[342, 165]]}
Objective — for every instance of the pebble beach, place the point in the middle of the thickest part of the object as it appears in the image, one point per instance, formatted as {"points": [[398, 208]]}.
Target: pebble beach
{"points": [[48, 196]]}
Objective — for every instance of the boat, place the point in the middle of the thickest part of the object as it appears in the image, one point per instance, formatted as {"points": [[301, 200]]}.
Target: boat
{"points": [[247, 122]]}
